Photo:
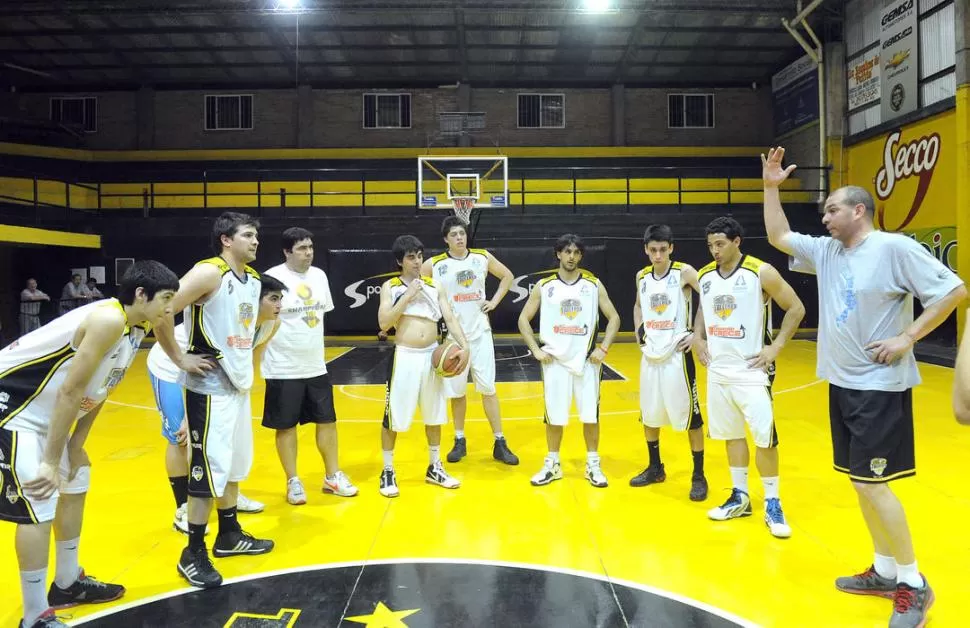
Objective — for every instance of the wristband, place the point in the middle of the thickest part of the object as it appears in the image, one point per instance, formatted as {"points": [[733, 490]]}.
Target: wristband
{"points": [[604, 349]]}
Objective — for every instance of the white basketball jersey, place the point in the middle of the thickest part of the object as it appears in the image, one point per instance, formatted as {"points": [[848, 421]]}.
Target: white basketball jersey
{"points": [[569, 318], [33, 368], [463, 283], [665, 308], [424, 305], [225, 325], [738, 318], [162, 367]]}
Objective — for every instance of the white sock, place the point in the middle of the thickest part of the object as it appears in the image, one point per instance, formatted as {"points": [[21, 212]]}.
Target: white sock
{"points": [[909, 574], [885, 566], [771, 487], [434, 453], [739, 478], [33, 584], [389, 459], [459, 434], [592, 458], [68, 569], [553, 455], [499, 435]]}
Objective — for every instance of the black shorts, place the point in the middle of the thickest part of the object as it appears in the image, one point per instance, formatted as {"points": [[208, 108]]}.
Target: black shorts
{"points": [[872, 433], [292, 402]]}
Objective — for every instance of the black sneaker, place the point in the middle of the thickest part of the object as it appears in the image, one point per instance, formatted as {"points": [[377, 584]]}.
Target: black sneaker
{"points": [[698, 488], [85, 590], [47, 619], [650, 475], [502, 453], [196, 567], [459, 451], [239, 543], [389, 483]]}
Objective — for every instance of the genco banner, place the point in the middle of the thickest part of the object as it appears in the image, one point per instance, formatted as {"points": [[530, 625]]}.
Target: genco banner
{"points": [[899, 55]]}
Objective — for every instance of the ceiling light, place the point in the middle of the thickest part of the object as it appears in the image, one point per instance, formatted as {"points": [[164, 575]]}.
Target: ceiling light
{"points": [[289, 5], [597, 6]]}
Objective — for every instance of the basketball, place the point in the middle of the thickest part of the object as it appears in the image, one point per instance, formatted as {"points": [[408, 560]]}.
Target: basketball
{"points": [[444, 359]]}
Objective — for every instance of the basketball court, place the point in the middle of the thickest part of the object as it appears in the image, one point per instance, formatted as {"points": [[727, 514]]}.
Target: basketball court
{"points": [[500, 552]]}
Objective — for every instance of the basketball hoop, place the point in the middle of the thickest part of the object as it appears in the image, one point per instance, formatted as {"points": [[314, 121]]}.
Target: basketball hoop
{"points": [[463, 207]]}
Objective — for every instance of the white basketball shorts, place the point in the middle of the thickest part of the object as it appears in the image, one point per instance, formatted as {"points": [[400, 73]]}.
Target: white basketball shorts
{"points": [[668, 392], [730, 406], [481, 365], [560, 387], [221, 440], [412, 382]]}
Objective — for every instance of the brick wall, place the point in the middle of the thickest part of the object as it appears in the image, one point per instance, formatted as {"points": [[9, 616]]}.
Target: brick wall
{"points": [[309, 118]]}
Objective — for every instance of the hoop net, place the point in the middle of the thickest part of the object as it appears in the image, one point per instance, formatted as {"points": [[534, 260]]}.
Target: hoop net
{"points": [[463, 206]]}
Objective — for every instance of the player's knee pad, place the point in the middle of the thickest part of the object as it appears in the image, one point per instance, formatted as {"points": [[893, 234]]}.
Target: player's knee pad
{"points": [[79, 484]]}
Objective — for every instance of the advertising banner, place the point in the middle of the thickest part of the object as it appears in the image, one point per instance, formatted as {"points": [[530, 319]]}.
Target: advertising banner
{"points": [[864, 79], [794, 92], [910, 172], [899, 76]]}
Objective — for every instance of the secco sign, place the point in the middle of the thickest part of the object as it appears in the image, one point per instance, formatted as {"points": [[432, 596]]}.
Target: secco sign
{"points": [[911, 170]]}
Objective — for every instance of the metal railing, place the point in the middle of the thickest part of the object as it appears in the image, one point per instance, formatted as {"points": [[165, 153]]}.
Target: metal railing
{"points": [[309, 185]]}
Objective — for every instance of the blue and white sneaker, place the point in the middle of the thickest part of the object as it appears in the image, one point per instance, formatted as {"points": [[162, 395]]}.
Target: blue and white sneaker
{"points": [[775, 519], [737, 505]]}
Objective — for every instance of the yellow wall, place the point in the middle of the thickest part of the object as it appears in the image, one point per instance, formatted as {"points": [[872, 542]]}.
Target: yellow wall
{"points": [[922, 204]]}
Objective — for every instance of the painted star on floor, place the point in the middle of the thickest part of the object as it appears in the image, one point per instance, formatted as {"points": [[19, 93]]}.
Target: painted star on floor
{"points": [[383, 617]]}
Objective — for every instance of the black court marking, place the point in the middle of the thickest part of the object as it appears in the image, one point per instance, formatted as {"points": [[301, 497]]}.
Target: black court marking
{"points": [[368, 365], [420, 594]]}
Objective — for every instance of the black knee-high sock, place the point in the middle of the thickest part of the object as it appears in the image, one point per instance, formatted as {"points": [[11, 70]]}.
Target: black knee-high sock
{"points": [[653, 448], [698, 463], [180, 488]]}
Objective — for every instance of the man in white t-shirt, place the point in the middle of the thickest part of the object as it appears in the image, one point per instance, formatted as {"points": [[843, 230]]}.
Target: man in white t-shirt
{"points": [[866, 332], [298, 388]]}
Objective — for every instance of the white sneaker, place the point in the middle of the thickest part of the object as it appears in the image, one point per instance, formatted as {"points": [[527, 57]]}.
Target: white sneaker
{"points": [[295, 493], [436, 474], [775, 519], [550, 471], [595, 475], [244, 504], [340, 485], [181, 522]]}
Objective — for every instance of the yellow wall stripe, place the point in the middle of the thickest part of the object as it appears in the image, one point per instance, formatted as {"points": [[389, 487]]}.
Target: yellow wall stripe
{"points": [[31, 235]]}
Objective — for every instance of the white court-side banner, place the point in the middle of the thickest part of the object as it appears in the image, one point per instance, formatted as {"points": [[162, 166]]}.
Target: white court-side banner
{"points": [[899, 55], [863, 76]]}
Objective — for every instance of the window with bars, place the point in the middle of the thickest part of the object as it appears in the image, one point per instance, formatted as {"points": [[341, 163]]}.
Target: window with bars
{"points": [[229, 112], [690, 111], [81, 112], [542, 111], [387, 111]]}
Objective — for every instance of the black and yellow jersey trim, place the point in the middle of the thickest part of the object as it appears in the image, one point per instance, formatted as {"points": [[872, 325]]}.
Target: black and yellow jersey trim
{"points": [[224, 266], [648, 270], [749, 263], [396, 281], [25, 382]]}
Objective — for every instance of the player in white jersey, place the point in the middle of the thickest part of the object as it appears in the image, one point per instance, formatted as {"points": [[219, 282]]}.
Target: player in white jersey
{"points": [[220, 297], [668, 383], [460, 273], [736, 295], [166, 383], [298, 388], [52, 379], [413, 306], [867, 280], [569, 303]]}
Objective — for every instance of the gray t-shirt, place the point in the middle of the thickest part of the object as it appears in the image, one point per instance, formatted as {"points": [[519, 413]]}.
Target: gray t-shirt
{"points": [[866, 294]]}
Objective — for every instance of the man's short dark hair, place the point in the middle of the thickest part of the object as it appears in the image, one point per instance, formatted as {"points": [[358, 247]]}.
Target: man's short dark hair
{"points": [[149, 275], [293, 235], [228, 224], [853, 195], [268, 284], [570, 238], [658, 233], [450, 223], [726, 225], [406, 244]]}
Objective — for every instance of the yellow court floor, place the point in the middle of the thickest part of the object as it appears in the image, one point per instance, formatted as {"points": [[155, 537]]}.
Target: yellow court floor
{"points": [[653, 537]]}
